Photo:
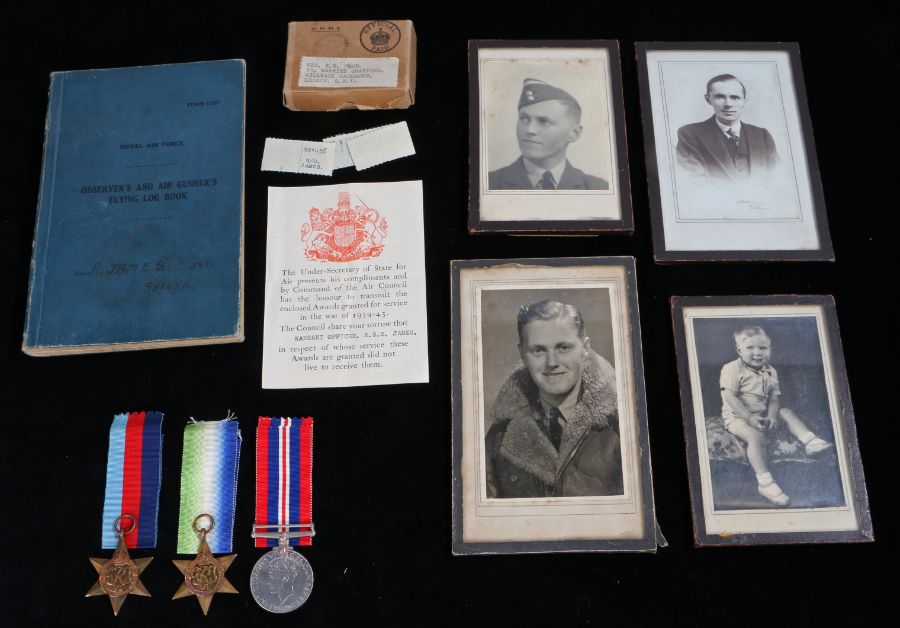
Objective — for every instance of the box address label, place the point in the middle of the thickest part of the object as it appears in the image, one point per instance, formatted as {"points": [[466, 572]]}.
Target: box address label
{"points": [[348, 72]]}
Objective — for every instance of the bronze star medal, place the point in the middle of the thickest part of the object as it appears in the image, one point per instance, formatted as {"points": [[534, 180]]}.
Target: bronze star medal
{"points": [[120, 575], [204, 576]]}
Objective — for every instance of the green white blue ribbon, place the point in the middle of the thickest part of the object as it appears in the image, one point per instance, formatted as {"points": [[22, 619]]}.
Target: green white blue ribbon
{"points": [[209, 471]]}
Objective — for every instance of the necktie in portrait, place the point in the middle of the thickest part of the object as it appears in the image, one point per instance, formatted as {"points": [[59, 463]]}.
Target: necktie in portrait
{"points": [[555, 427], [547, 181]]}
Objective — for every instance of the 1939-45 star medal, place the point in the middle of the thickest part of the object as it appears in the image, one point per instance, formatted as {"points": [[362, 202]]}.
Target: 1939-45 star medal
{"points": [[204, 576], [130, 504], [282, 579], [119, 575]]}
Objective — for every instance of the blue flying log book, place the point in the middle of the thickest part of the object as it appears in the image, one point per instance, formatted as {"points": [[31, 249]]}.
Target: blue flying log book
{"points": [[140, 220]]}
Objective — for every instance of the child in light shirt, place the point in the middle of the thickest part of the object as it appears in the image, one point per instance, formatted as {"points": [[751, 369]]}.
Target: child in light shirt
{"points": [[751, 406]]}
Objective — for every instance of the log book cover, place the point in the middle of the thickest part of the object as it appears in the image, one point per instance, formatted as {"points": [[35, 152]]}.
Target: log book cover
{"points": [[139, 232]]}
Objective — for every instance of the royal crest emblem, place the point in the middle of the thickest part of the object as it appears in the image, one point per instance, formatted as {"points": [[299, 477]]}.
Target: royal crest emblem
{"points": [[345, 234], [380, 38]]}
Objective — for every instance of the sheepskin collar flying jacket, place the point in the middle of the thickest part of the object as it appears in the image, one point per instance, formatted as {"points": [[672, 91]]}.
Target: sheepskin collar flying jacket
{"points": [[521, 459]]}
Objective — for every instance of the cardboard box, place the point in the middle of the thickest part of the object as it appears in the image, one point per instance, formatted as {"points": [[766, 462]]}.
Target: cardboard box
{"points": [[362, 64]]}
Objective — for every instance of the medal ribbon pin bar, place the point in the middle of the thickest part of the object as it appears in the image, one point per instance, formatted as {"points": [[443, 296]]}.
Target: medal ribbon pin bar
{"points": [[209, 470], [282, 579], [130, 505]]}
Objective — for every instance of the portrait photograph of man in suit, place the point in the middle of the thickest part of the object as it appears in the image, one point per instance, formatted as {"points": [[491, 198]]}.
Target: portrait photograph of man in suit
{"points": [[730, 152], [730, 148], [724, 147], [729, 143]]}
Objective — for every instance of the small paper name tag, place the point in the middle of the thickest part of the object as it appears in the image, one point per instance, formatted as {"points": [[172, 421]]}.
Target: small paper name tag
{"points": [[348, 72], [342, 156], [383, 144], [371, 147], [298, 156]]}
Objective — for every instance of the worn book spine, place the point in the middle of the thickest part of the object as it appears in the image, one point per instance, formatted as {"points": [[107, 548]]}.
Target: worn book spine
{"points": [[44, 211]]}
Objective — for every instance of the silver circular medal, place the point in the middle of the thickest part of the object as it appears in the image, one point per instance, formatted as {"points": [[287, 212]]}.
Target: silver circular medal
{"points": [[281, 580]]}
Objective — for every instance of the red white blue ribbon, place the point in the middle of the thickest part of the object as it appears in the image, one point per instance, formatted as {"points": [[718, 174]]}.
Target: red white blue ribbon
{"points": [[133, 477], [284, 475]]}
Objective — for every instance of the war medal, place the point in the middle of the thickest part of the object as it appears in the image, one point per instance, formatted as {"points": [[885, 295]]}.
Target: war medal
{"points": [[130, 504], [204, 576], [120, 575], [209, 468], [282, 579]]}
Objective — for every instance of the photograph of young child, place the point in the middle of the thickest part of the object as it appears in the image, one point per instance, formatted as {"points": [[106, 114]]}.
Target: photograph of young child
{"points": [[769, 430]]}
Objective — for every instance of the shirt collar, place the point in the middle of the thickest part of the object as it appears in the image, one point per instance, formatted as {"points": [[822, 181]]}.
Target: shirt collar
{"points": [[567, 407], [765, 368], [724, 128], [535, 172]]}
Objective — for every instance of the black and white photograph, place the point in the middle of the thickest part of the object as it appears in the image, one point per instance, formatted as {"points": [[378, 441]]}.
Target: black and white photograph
{"points": [[547, 137], [549, 385], [771, 439], [549, 418], [730, 153]]}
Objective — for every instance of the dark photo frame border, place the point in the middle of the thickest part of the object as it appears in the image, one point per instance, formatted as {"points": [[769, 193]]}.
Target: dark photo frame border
{"points": [[825, 252], [846, 421], [651, 537], [625, 224]]}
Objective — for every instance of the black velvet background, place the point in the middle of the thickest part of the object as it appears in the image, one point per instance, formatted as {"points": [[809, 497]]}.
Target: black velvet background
{"points": [[382, 472]]}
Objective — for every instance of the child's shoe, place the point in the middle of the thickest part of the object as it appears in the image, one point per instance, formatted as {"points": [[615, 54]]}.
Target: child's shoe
{"points": [[774, 494], [817, 445]]}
